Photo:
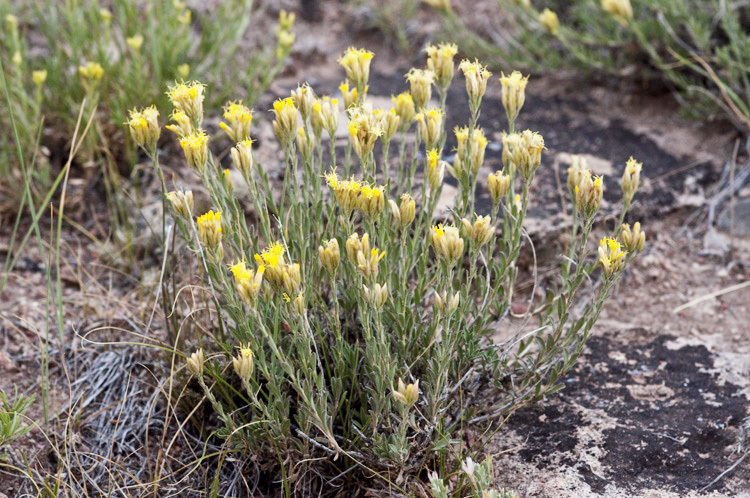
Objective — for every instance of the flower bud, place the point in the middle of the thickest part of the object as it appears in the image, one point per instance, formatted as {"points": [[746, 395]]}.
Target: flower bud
{"points": [[403, 214], [182, 125], [404, 107], [631, 177], [196, 361], [144, 127], [350, 96], [243, 363], [354, 246], [91, 72], [39, 77], [367, 263], [377, 296], [363, 129], [524, 152], [435, 169], [577, 165], [431, 126], [420, 82], [304, 98], [550, 21], [242, 157], [183, 70], [589, 194], [135, 42], [513, 93], [329, 255], [476, 81], [447, 305], [388, 123], [407, 394], [305, 145], [498, 184], [247, 281], [356, 64], [285, 124], [633, 240], [620, 9], [182, 202]]}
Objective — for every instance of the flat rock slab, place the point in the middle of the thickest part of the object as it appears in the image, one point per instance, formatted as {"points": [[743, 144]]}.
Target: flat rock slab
{"points": [[641, 419]]}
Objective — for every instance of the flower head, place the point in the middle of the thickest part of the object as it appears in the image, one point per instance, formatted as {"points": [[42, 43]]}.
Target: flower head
{"points": [[247, 281], [524, 152], [447, 243], [356, 64], [188, 98], [387, 122], [420, 82], [330, 255], [135, 42], [243, 363], [239, 119], [403, 104], [363, 129], [431, 126], [481, 231], [440, 62], [403, 213], [476, 81], [631, 177], [144, 127], [498, 184], [371, 200], [620, 9], [39, 77], [377, 295], [285, 124], [182, 202], [182, 126], [589, 193], [242, 157], [611, 256], [303, 98], [325, 114], [209, 229], [91, 72], [513, 93], [407, 394], [195, 147], [435, 169], [633, 240], [550, 21], [195, 362]]}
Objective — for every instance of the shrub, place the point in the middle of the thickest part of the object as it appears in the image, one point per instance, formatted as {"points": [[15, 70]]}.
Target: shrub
{"points": [[345, 325]]}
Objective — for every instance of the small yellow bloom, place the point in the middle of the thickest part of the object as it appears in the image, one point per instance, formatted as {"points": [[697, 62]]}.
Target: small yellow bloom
{"points": [[363, 129], [420, 83], [356, 64], [513, 93], [280, 274], [285, 40], [476, 81], [631, 177], [239, 118], [303, 98], [247, 281], [388, 123], [355, 245], [184, 17], [404, 107], [345, 191], [182, 202], [11, 22], [498, 184], [183, 70], [243, 363], [577, 165], [17, 58], [350, 96], [589, 193], [447, 243], [407, 394], [325, 115], [368, 262], [39, 77], [431, 126], [620, 9], [285, 124], [550, 21], [524, 152], [242, 157], [144, 127], [188, 98], [135, 41], [286, 19], [435, 169], [611, 256], [209, 229], [445, 305], [329, 255], [183, 125], [195, 147], [305, 144], [633, 240], [440, 62], [105, 15], [405, 212], [481, 231], [371, 200], [91, 71]]}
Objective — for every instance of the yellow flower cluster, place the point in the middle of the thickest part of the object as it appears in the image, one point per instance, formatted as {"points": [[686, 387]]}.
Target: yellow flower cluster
{"points": [[549, 20], [435, 169], [243, 363], [209, 230], [523, 151], [195, 147], [440, 62], [247, 281], [447, 243], [351, 194], [325, 115], [356, 64], [188, 98], [403, 104], [281, 275], [631, 177], [498, 184], [513, 93], [430, 126], [91, 71], [144, 127], [611, 256], [621, 10], [240, 118], [420, 83], [479, 144], [364, 130], [589, 193], [360, 254], [285, 124], [476, 81], [403, 213]]}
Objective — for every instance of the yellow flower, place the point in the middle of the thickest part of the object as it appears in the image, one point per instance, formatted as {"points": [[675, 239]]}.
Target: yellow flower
{"points": [[577, 165], [195, 147], [364, 130], [435, 169], [431, 126], [368, 262], [498, 184], [286, 19], [325, 115], [240, 118], [388, 123], [476, 81], [447, 243], [242, 157], [550, 21], [182, 126], [407, 394], [247, 281], [371, 200], [329, 255], [589, 193], [513, 93], [282, 275], [11, 22], [17, 58], [183, 70], [350, 96], [345, 191], [135, 41], [633, 240], [272, 256], [479, 144], [631, 177], [524, 152], [285, 124], [39, 77], [243, 363], [209, 229], [420, 83], [285, 40], [184, 17], [611, 256], [356, 64], [188, 98], [91, 71], [377, 296], [620, 9], [440, 62], [303, 98], [305, 145], [404, 107], [105, 15], [354, 246], [481, 231], [144, 127], [182, 202]]}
